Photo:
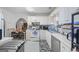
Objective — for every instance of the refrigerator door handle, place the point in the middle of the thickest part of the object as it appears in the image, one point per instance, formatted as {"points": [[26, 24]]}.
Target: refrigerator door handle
{"points": [[68, 35]]}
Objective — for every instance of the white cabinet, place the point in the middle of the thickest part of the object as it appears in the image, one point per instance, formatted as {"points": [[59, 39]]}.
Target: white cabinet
{"points": [[65, 48], [48, 38], [60, 43], [65, 14], [55, 44]]}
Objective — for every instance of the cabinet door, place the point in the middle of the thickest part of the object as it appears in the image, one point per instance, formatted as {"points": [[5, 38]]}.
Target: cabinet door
{"points": [[55, 44], [65, 14], [65, 48], [48, 38]]}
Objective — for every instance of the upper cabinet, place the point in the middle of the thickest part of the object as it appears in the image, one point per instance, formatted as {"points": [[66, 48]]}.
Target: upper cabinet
{"points": [[54, 17], [64, 14], [42, 19]]}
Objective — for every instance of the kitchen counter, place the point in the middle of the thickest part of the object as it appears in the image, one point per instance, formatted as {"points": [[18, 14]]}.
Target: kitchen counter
{"points": [[62, 38], [65, 44]]}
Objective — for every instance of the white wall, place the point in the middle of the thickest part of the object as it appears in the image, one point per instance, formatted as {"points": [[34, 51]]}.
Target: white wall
{"points": [[11, 19]]}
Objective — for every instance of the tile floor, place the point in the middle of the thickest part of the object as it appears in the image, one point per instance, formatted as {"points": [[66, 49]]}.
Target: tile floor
{"points": [[36, 45]]}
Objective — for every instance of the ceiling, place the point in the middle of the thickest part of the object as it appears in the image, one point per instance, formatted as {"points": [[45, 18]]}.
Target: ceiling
{"points": [[31, 11]]}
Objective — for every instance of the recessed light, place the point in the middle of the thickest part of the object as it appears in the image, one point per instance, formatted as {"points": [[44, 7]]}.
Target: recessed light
{"points": [[31, 9]]}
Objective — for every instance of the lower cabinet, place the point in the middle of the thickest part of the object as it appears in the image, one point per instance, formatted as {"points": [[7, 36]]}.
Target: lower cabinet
{"points": [[48, 38], [55, 44], [65, 48], [59, 46]]}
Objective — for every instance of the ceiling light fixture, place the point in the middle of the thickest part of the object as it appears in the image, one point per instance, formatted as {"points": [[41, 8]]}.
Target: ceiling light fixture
{"points": [[31, 9]]}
